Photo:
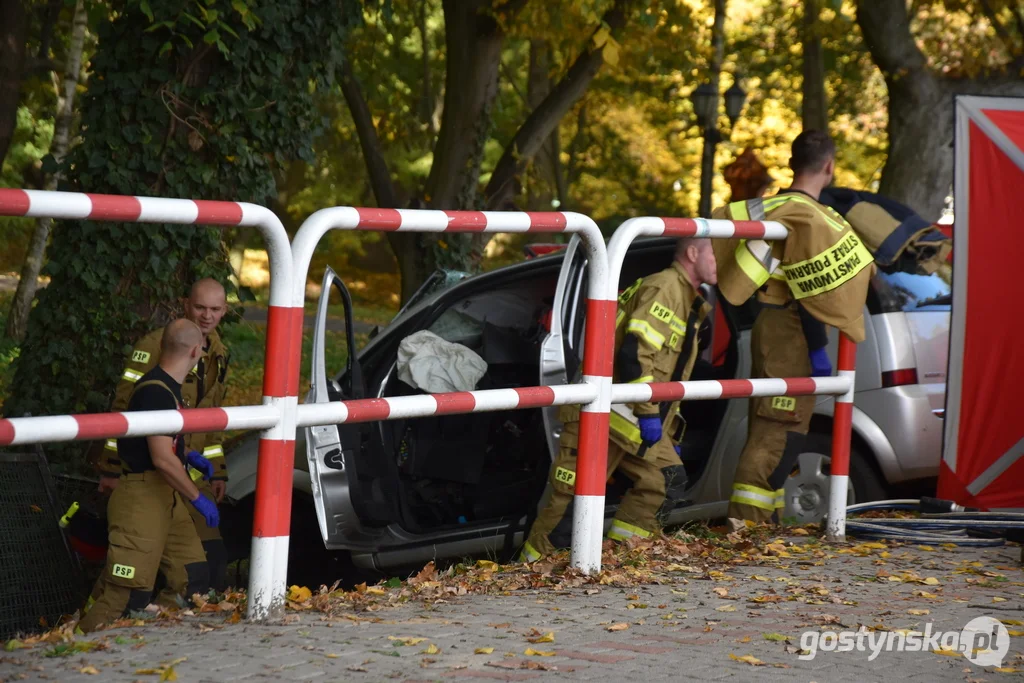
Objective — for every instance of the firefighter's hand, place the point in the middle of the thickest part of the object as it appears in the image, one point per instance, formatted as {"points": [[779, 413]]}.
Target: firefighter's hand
{"points": [[650, 429], [218, 486], [107, 484], [821, 366], [207, 509], [196, 461]]}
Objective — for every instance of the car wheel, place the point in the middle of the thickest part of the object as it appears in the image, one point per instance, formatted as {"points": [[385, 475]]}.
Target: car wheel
{"points": [[807, 488]]}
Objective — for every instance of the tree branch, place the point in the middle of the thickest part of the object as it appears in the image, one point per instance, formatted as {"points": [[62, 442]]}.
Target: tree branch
{"points": [[997, 25], [886, 28], [380, 177], [543, 120]]}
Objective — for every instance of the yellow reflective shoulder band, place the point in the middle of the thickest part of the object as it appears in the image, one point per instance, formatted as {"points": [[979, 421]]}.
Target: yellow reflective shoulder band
{"points": [[621, 531], [642, 380], [619, 317], [745, 494], [211, 452], [131, 375], [750, 266], [644, 330], [110, 445], [738, 211], [834, 220], [828, 270]]}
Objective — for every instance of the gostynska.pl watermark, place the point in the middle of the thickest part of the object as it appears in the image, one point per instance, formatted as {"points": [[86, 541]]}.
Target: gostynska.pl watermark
{"points": [[984, 641]]}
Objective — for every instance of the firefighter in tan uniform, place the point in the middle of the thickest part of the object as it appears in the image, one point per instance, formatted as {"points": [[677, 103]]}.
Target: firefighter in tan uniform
{"points": [[204, 387], [149, 526], [818, 276], [655, 341]]}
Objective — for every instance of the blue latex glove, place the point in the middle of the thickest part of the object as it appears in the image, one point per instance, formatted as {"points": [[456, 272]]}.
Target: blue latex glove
{"points": [[679, 450], [208, 510], [650, 429], [821, 366], [196, 460]]}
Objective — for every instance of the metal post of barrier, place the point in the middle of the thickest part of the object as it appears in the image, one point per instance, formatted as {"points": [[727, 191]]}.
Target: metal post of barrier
{"points": [[588, 516], [842, 386], [269, 417], [842, 428]]}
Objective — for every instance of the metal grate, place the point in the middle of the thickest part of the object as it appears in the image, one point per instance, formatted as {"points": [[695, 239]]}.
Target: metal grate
{"points": [[39, 578]]}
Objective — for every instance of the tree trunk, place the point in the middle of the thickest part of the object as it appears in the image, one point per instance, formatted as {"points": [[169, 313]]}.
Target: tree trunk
{"points": [[544, 120], [427, 94], [814, 107], [473, 42], [13, 36], [17, 321]]}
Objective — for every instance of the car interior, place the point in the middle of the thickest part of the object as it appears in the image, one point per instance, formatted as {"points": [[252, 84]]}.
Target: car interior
{"points": [[437, 473]]}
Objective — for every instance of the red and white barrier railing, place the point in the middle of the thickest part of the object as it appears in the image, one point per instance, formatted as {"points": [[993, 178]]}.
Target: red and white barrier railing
{"points": [[841, 386], [275, 457], [588, 521]]}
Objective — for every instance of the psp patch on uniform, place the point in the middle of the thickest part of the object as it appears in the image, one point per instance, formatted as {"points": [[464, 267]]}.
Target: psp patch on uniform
{"points": [[123, 571], [786, 403], [661, 312], [565, 476], [140, 356]]}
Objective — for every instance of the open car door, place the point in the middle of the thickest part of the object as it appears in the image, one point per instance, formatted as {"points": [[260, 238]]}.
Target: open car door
{"points": [[561, 352], [331, 449]]}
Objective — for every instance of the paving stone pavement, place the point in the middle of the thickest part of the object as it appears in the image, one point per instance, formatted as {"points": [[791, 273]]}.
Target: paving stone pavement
{"points": [[679, 631]]}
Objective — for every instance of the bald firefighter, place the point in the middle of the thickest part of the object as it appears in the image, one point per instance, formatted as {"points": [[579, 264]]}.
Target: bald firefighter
{"points": [[149, 525], [655, 341], [817, 276], [204, 387]]}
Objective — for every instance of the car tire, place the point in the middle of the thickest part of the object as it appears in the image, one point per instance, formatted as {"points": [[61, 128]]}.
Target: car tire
{"points": [[807, 488]]}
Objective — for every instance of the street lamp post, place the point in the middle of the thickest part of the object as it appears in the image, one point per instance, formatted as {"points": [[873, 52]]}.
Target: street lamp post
{"points": [[705, 107]]}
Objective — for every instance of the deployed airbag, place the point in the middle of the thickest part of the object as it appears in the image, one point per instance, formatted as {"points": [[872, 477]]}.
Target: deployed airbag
{"points": [[429, 363]]}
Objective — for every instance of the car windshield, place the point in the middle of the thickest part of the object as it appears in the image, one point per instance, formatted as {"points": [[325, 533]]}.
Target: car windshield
{"points": [[911, 292]]}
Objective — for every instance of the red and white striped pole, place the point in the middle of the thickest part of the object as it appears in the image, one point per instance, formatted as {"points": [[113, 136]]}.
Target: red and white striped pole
{"points": [[842, 428]]}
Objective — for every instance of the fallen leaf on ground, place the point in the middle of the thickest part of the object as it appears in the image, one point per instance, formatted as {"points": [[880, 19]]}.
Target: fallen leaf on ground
{"points": [[168, 674], [947, 653], [1007, 670], [358, 668], [483, 651], [918, 612], [998, 599], [618, 627], [530, 652], [90, 670], [931, 581], [432, 650], [726, 608], [777, 637], [721, 592], [747, 659], [800, 532], [548, 637], [406, 640]]}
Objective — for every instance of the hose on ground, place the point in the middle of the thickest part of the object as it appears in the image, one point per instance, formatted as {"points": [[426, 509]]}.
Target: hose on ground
{"points": [[940, 522]]}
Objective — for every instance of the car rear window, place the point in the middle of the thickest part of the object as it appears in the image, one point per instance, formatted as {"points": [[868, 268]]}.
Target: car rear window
{"points": [[893, 292]]}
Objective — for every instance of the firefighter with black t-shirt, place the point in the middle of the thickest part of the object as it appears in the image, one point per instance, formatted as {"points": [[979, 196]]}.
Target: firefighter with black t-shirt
{"points": [[150, 527]]}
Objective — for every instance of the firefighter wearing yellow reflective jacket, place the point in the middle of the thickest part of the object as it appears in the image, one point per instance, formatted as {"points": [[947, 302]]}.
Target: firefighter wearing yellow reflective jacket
{"points": [[817, 276], [204, 387], [655, 341]]}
